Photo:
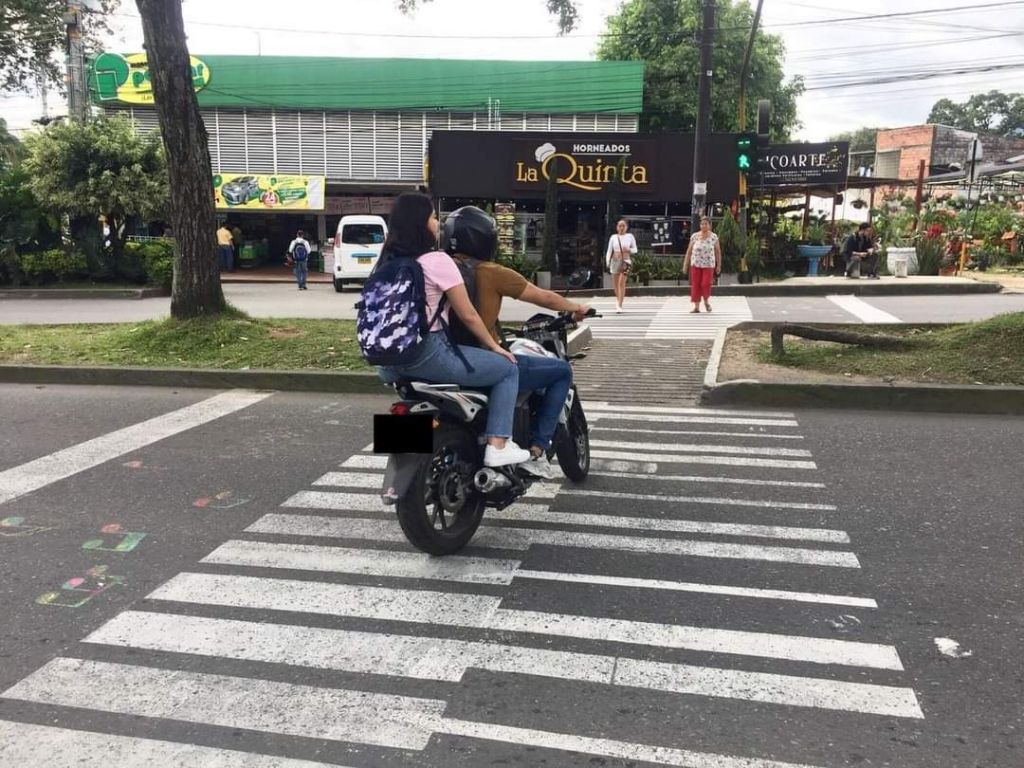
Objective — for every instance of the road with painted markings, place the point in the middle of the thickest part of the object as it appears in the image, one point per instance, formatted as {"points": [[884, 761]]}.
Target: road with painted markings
{"points": [[197, 578]]}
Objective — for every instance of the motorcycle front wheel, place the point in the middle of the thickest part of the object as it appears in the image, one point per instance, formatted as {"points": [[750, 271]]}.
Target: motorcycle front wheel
{"points": [[573, 444], [442, 509]]}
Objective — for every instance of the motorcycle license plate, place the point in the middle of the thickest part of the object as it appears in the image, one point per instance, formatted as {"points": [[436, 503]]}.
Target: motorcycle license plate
{"points": [[413, 433], [363, 261]]}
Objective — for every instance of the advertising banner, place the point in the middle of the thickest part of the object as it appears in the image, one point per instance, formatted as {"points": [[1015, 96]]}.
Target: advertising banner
{"points": [[347, 206], [249, 192], [126, 79], [784, 164]]}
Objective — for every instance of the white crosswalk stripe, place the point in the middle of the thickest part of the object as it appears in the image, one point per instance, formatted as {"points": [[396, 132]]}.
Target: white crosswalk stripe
{"points": [[667, 318], [329, 585]]}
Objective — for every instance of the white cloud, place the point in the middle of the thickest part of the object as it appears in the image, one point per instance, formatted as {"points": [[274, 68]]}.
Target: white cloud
{"points": [[485, 29]]}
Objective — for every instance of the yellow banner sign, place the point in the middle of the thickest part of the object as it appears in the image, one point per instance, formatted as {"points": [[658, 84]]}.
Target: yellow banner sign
{"points": [[249, 192], [126, 78]]}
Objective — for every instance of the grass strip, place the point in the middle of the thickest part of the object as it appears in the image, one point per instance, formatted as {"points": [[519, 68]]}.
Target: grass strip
{"points": [[232, 341], [987, 352]]}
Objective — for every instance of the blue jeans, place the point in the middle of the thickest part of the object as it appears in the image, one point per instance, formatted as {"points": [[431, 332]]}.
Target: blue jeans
{"points": [[438, 363], [554, 376], [301, 270], [227, 257]]}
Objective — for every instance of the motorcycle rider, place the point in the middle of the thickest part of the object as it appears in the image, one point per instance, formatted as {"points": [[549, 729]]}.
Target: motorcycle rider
{"points": [[471, 237]]}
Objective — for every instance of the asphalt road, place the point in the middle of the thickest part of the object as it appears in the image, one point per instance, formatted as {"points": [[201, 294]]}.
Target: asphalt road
{"points": [[321, 301], [728, 589]]}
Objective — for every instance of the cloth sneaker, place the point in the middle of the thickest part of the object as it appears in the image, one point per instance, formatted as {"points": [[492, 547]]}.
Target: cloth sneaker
{"points": [[539, 466], [503, 457]]}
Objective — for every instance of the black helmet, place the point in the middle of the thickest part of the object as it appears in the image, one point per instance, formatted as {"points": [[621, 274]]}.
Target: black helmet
{"points": [[470, 232]]}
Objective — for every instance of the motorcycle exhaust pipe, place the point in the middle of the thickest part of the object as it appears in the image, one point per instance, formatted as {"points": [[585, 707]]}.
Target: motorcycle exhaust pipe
{"points": [[488, 481]]}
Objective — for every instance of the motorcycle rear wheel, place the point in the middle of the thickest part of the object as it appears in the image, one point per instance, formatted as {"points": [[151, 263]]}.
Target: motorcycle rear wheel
{"points": [[443, 509], [572, 445]]}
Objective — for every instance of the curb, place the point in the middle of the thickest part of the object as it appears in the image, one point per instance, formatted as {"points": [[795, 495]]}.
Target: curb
{"points": [[943, 398], [350, 382], [84, 293], [715, 358], [859, 288]]}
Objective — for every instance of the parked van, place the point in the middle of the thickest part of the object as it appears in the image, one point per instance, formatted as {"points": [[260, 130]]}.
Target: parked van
{"points": [[357, 246]]}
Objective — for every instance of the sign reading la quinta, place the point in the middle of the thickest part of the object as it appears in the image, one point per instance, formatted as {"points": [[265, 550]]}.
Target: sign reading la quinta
{"points": [[126, 78], [589, 167]]}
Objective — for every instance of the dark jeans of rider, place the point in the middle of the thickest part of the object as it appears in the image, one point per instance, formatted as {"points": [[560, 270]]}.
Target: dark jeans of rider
{"points": [[438, 363], [554, 376]]}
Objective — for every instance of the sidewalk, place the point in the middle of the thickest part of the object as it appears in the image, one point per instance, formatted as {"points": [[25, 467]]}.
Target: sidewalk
{"points": [[1009, 283], [272, 273]]}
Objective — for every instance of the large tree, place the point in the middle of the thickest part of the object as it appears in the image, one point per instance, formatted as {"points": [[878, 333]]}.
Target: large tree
{"points": [[32, 31], [101, 166], [992, 112], [10, 147], [663, 34]]}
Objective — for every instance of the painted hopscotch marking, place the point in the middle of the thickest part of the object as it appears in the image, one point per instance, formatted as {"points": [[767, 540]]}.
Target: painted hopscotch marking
{"points": [[234, 702], [44, 471], [483, 612], [27, 745], [381, 529], [448, 660]]}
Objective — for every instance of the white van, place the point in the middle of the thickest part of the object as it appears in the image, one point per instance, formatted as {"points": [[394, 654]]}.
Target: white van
{"points": [[357, 246]]}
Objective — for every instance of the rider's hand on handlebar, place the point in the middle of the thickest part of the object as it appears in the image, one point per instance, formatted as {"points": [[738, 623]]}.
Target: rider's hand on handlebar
{"points": [[581, 312]]}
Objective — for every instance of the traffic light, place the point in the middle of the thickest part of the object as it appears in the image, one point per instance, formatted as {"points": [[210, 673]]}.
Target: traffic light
{"points": [[746, 152]]}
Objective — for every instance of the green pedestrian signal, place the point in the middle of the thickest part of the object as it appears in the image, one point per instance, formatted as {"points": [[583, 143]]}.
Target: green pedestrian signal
{"points": [[746, 145]]}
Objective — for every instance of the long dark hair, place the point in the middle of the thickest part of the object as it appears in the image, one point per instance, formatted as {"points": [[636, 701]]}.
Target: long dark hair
{"points": [[408, 230]]}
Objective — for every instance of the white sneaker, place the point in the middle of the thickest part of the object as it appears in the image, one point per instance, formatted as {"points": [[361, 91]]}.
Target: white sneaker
{"points": [[503, 457], [618, 310], [539, 466]]}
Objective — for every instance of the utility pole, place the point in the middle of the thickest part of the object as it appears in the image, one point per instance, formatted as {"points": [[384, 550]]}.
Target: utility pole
{"points": [[742, 116], [703, 128], [78, 99]]}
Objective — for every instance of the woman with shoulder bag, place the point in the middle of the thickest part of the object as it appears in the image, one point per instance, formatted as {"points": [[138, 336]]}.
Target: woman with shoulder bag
{"points": [[703, 261], [621, 247]]}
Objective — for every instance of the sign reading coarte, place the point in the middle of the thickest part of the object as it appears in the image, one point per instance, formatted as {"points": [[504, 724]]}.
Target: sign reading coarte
{"points": [[783, 164], [126, 78], [248, 192], [590, 167]]}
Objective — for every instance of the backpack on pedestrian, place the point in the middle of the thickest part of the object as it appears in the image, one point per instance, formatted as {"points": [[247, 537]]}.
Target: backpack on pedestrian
{"points": [[299, 252]]}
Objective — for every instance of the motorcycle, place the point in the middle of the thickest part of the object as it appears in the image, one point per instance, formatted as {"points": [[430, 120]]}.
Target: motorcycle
{"points": [[435, 476]]}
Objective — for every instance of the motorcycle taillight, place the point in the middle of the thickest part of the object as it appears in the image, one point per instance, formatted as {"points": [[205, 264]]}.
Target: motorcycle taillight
{"points": [[400, 409]]}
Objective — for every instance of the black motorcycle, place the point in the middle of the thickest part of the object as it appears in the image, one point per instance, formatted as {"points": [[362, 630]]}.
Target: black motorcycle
{"points": [[435, 476]]}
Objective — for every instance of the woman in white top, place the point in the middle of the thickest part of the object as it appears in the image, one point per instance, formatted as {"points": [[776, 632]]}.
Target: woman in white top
{"points": [[703, 261], [621, 247]]}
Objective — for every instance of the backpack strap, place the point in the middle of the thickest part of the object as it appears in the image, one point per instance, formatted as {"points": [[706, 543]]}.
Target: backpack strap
{"points": [[448, 333]]}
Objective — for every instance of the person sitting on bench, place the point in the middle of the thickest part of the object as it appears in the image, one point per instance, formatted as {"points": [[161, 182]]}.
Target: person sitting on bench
{"points": [[861, 253]]}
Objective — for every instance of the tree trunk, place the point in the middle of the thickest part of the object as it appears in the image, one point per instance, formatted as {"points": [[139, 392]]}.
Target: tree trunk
{"points": [[196, 287], [822, 334]]}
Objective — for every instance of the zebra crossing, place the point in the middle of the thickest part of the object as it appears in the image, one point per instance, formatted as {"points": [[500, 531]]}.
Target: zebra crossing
{"points": [[648, 317], [689, 583]]}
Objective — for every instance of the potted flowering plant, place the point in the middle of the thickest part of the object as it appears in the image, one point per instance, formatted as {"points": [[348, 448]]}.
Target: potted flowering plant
{"points": [[815, 248]]}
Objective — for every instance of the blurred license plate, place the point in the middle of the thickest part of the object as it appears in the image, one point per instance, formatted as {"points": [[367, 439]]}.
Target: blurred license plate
{"points": [[413, 433], [366, 260]]}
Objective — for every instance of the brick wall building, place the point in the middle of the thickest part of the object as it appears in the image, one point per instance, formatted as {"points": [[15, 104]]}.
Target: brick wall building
{"points": [[899, 151]]}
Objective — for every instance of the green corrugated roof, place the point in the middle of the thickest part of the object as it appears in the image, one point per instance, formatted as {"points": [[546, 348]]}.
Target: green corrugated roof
{"points": [[443, 84]]}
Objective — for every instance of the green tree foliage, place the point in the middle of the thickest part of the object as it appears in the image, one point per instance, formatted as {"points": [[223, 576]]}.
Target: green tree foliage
{"points": [[992, 112], [566, 10], [663, 34], [10, 148], [861, 140], [100, 167], [32, 31]]}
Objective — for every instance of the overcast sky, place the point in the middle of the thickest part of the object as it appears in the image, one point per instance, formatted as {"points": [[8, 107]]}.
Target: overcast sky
{"points": [[826, 54]]}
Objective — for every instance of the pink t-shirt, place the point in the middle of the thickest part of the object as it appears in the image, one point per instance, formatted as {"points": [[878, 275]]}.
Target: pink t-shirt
{"points": [[440, 274]]}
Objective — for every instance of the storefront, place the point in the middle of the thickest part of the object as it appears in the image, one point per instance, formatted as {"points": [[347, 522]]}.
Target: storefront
{"points": [[360, 127], [645, 178]]}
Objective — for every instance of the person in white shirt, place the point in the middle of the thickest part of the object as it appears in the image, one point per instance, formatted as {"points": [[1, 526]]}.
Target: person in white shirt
{"points": [[298, 253], [621, 247]]}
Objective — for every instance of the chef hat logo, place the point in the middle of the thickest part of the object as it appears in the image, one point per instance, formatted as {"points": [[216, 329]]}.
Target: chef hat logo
{"points": [[544, 151]]}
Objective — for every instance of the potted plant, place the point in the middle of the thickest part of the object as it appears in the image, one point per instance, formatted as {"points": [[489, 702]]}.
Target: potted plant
{"points": [[815, 248]]}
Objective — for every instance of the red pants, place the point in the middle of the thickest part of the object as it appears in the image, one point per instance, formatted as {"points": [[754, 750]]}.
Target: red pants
{"points": [[701, 279]]}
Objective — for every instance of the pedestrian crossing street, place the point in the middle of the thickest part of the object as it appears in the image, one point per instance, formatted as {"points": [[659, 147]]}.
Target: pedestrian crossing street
{"points": [[648, 317], [686, 606]]}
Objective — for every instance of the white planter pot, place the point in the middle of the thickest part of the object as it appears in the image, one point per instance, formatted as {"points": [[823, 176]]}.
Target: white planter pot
{"points": [[544, 280], [908, 254]]}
